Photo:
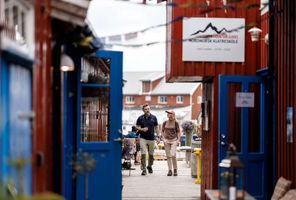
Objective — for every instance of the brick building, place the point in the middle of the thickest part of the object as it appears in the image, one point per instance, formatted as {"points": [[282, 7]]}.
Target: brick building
{"points": [[151, 88]]}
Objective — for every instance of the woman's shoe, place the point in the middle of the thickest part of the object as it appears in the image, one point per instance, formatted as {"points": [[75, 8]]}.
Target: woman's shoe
{"points": [[175, 172], [170, 173]]}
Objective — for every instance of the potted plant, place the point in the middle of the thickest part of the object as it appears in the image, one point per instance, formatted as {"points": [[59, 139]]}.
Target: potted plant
{"points": [[188, 127]]}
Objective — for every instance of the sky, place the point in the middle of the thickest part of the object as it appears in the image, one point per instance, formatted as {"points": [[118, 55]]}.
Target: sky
{"points": [[118, 17]]}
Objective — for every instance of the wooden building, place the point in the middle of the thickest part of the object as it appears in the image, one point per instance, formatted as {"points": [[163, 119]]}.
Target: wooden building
{"points": [[208, 55], [37, 48], [284, 63], [58, 105]]}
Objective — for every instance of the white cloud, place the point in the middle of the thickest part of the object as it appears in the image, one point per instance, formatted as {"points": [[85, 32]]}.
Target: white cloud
{"points": [[109, 17]]}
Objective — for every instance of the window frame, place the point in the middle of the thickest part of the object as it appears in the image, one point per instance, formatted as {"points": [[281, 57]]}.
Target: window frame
{"points": [[129, 99], [162, 99], [178, 98]]}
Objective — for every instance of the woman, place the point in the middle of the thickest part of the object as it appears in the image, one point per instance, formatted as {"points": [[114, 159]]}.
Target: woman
{"points": [[171, 137]]}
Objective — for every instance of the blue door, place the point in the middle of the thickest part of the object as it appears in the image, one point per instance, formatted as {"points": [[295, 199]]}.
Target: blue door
{"points": [[95, 165], [20, 133], [15, 126], [242, 122]]}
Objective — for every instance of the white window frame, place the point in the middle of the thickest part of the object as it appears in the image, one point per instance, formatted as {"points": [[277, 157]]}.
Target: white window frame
{"points": [[179, 99], [162, 99], [130, 99]]}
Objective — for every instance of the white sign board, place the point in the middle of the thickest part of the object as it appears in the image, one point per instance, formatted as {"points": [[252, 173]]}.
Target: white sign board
{"points": [[214, 39], [245, 99]]}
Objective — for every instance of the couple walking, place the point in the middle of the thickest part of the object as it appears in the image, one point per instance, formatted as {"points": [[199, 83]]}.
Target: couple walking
{"points": [[147, 126]]}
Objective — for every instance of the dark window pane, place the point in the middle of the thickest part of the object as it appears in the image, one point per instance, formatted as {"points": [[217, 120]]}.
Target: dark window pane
{"points": [[15, 15], [23, 24], [233, 116], [254, 120]]}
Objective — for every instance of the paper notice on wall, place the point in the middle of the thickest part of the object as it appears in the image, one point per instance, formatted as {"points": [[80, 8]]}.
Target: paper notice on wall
{"points": [[245, 99]]}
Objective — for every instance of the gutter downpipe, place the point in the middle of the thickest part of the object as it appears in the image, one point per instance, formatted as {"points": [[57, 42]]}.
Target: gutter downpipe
{"points": [[272, 89]]}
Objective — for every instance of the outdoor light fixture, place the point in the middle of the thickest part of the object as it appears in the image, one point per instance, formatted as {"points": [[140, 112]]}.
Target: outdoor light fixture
{"points": [[255, 33], [231, 176], [67, 63]]}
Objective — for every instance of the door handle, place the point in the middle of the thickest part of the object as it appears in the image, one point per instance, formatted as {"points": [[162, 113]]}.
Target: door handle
{"points": [[30, 115]]}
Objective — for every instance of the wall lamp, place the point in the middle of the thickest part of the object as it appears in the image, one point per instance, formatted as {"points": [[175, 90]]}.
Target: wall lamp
{"points": [[67, 63], [255, 33]]}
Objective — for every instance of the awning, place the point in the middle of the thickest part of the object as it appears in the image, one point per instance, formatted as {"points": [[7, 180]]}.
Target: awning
{"points": [[71, 11]]}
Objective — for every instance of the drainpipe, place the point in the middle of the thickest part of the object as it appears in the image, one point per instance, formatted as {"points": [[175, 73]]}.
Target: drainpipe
{"points": [[272, 94]]}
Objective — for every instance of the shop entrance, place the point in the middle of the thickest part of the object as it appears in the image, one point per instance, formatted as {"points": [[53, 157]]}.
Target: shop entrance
{"points": [[242, 121], [92, 165]]}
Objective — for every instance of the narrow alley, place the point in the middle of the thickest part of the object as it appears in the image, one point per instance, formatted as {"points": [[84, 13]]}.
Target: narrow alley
{"points": [[159, 186]]}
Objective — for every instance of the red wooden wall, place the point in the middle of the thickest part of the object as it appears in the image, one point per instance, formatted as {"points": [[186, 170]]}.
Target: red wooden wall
{"points": [[264, 25], [42, 131], [176, 67], [284, 60], [208, 71]]}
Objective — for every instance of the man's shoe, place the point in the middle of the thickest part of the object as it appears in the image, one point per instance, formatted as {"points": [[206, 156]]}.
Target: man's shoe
{"points": [[150, 170], [175, 172], [144, 173], [136, 163], [170, 173]]}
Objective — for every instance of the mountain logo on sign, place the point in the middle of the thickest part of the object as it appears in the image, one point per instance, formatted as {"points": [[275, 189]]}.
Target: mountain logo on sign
{"points": [[214, 28]]}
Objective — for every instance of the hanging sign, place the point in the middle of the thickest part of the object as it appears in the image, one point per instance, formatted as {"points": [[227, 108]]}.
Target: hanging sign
{"points": [[214, 39], [245, 99]]}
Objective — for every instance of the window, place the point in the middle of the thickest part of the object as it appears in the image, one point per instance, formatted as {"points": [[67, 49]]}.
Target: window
{"points": [[7, 16], [162, 99], [146, 86], [15, 15], [129, 99], [179, 99], [147, 98], [23, 24]]}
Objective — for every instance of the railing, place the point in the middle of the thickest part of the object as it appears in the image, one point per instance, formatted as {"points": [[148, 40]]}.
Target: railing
{"points": [[7, 32]]}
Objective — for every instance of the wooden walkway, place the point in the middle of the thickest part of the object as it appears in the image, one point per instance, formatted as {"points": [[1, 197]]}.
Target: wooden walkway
{"points": [[159, 186]]}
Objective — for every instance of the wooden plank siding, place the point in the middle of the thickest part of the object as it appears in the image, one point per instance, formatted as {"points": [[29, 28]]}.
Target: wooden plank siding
{"points": [[176, 68], [42, 129], [264, 25], [207, 72], [285, 62]]}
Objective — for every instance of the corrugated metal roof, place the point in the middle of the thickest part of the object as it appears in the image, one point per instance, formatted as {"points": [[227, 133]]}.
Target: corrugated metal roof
{"points": [[133, 85]]}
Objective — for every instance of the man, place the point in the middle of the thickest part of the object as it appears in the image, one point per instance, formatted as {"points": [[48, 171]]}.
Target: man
{"points": [[147, 126]]}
